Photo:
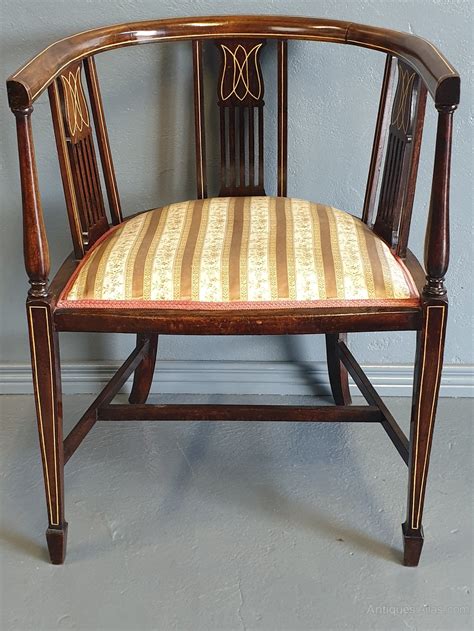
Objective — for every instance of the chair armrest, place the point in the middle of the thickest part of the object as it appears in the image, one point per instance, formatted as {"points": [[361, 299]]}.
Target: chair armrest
{"points": [[439, 76], [441, 79]]}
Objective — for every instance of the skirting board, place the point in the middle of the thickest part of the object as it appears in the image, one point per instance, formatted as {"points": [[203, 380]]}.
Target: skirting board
{"points": [[238, 377]]}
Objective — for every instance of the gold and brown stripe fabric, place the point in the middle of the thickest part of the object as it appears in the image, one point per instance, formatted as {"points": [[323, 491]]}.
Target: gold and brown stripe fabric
{"points": [[240, 252]]}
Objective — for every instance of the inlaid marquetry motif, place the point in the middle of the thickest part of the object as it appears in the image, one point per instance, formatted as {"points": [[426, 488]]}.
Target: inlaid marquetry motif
{"points": [[401, 113], [241, 76], [75, 105]]}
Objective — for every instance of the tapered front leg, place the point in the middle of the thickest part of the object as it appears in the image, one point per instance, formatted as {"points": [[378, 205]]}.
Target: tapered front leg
{"points": [[428, 365], [338, 376], [143, 376], [47, 389]]}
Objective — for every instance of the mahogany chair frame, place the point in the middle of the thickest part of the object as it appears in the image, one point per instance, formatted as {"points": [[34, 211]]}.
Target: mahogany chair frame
{"points": [[398, 130]]}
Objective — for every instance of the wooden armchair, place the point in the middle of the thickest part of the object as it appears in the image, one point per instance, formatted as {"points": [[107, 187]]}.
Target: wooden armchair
{"points": [[241, 262]]}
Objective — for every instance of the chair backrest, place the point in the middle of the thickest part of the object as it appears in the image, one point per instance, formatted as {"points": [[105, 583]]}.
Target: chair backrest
{"points": [[413, 68]]}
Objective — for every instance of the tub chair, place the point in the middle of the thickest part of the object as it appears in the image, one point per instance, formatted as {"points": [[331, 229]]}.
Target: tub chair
{"points": [[241, 260]]}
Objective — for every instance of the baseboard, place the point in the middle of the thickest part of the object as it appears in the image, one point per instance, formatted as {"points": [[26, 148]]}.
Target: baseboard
{"points": [[238, 377]]}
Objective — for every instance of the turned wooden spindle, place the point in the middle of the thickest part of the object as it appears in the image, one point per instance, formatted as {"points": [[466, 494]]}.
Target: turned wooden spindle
{"points": [[437, 232], [35, 245]]}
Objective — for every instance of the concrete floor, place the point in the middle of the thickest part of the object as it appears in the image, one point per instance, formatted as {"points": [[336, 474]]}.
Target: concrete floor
{"points": [[202, 526]]}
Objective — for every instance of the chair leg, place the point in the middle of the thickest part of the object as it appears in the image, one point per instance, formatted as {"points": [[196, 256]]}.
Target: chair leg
{"points": [[143, 377], [338, 376], [428, 365], [47, 388]]}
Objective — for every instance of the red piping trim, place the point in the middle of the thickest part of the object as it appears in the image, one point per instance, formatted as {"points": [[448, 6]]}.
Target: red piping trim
{"points": [[235, 305]]}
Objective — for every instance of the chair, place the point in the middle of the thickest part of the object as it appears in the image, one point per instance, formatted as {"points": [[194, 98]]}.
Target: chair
{"points": [[241, 262]]}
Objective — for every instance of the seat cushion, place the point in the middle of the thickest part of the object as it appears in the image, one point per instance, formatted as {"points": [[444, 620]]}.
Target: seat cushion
{"points": [[237, 253]]}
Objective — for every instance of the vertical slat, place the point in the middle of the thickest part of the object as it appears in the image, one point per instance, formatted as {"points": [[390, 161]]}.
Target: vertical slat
{"points": [[260, 149], [85, 176], [103, 140], [400, 193], [89, 149], [246, 114], [389, 158], [282, 117], [393, 177], [379, 141], [223, 134], [81, 193], [241, 148], [65, 169], [199, 128], [251, 147], [386, 224], [231, 165], [413, 170]]}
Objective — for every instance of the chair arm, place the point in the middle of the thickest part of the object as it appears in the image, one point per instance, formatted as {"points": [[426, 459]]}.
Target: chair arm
{"points": [[439, 76], [441, 79]]}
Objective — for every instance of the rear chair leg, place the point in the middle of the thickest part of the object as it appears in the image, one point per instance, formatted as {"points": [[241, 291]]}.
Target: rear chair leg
{"points": [[338, 376], [143, 376], [47, 388], [428, 364]]}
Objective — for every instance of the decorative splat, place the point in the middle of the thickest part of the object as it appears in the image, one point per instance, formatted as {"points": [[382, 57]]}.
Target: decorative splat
{"points": [[79, 162], [399, 158], [240, 94]]}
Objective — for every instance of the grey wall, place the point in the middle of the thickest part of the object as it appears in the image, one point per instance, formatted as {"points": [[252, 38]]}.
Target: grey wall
{"points": [[333, 102]]}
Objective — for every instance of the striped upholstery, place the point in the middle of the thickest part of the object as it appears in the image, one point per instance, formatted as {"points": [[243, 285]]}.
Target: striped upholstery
{"points": [[240, 252]]}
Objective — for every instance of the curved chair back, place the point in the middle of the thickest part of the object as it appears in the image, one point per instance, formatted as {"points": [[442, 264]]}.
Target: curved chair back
{"points": [[413, 68]]}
